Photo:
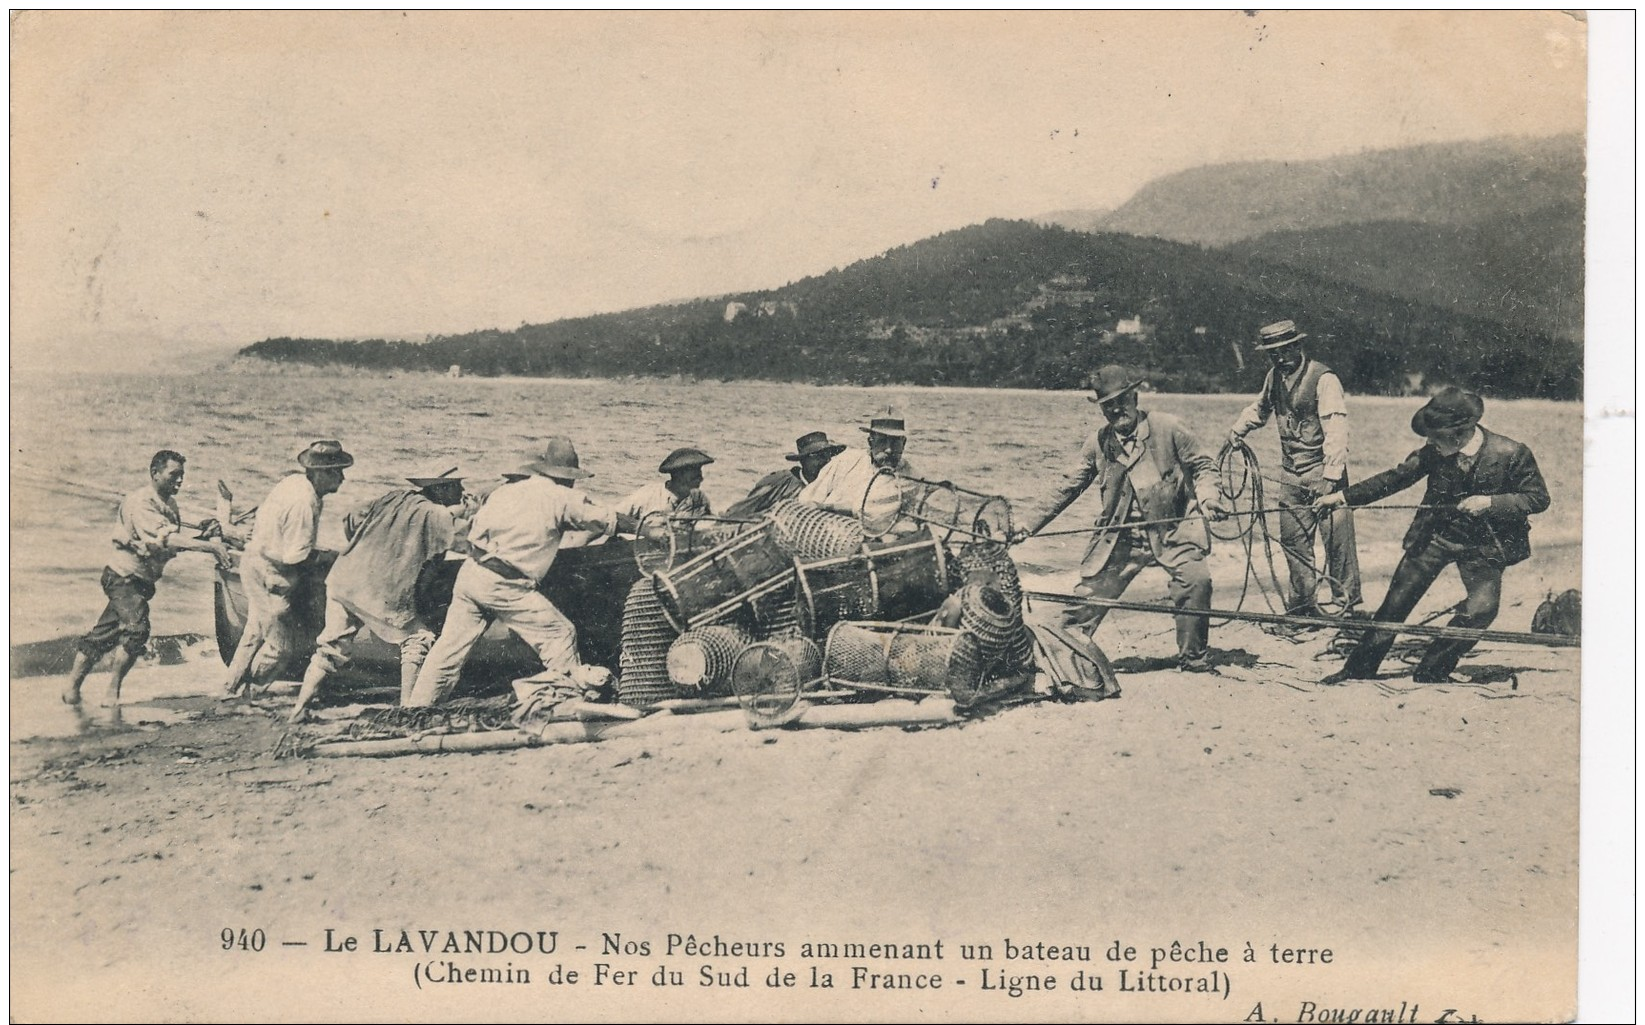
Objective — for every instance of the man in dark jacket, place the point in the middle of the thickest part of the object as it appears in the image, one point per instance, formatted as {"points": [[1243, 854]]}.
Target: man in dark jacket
{"points": [[1481, 487], [812, 452]]}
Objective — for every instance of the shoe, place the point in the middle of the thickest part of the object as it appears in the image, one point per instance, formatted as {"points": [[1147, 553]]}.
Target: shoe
{"points": [[1432, 677], [1195, 665], [1343, 676]]}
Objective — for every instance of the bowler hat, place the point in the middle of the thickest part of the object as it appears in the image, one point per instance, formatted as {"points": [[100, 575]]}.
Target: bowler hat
{"points": [[814, 444], [1450, 408], [558, 460], [1110, 382], [1279, 333], [685, 459], [325, 455]]}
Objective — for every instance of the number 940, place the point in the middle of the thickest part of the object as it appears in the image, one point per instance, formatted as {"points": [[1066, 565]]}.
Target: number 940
{"points": [[243, 939]]}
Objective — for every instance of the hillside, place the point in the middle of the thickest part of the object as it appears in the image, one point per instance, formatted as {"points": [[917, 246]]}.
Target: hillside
{"points": [[1007, 303], [1519, 268], [1449, 183]]}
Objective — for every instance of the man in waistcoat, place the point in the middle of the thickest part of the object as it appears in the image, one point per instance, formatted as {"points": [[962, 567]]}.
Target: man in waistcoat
{"points": [[1305, 398], [1482, 487]]}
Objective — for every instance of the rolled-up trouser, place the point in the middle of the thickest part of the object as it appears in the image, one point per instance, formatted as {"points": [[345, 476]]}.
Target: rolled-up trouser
{"points": [[1190, 587], [478, 597], [1298, 523], [332, 649], [268, 640], [125, 619], [1415, 573]]}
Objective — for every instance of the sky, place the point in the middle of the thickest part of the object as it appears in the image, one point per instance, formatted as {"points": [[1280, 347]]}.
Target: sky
{"points": [[196, 179]]}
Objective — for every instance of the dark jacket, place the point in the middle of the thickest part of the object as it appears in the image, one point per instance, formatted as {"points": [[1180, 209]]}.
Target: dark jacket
{"points": [[1503, 469]]}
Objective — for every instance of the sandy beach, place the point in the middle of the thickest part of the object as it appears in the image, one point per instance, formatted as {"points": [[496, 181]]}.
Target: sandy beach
{"points": [[1424, 835]]}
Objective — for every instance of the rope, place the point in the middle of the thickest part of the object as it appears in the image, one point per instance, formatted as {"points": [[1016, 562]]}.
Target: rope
{"points": [[1356, 625]]}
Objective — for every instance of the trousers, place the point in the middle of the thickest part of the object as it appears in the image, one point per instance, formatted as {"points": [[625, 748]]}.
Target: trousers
{"points": [[125, 619], [269, 638], [478, 598], [1298, 523], [343, 624], [1417, 572], [1190, 587]]}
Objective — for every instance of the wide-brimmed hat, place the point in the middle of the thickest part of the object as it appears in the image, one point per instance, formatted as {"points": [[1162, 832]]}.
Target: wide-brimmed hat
{"points": [[814, 444], [558, 460], [684, 459], [325, 455], [1283, 332], [888, 422], [1110, 382], [422, 483], [1449, 409]]}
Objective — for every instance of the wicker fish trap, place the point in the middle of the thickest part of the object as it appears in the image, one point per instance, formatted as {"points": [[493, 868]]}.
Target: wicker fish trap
{"points": [[995, 560], [770, 676], [1003, 640], [809, 533], [665, 540], [700, 660], [642, 678], [900, 658], [893, 580], [953, 512], [725, 580]]}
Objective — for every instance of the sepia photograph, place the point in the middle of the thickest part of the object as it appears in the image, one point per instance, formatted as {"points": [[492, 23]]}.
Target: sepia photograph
{"points": [[820, 516]]}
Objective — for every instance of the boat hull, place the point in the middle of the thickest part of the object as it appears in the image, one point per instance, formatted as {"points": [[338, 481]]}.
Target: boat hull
{"points": [[587, 584]]}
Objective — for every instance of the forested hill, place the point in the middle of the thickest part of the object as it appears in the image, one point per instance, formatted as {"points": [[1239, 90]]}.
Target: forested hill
{"points": [[1009, 303]]}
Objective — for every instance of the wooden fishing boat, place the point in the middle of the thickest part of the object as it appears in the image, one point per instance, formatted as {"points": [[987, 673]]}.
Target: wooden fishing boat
{"points": [[588, 584]]}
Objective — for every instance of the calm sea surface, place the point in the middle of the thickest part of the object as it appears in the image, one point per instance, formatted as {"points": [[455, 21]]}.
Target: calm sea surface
{"points": [[94, 434]]}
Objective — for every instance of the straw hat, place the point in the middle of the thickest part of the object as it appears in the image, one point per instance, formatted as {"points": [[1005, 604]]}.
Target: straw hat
{"points": [[558, 460], [888, 422], [1278, 334], [325, 455]]}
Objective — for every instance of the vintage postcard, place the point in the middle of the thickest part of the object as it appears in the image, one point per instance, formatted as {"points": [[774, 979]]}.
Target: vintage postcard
{"points": [[813, 516]]}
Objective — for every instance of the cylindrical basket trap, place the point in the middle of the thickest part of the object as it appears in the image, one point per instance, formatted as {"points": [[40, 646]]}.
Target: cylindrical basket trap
{"points": [[642, 665], [899, 658], [770, 676], [724, 580], [700, 660], [894, 580], [809, 533]]}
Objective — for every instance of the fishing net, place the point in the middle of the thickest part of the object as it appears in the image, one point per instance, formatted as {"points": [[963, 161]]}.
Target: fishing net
{"points": [[642, 678], [811, 534], [462, 715], [700, 660], [769, 677]]}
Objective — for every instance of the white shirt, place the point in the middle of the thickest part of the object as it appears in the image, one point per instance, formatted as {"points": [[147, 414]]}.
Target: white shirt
{"points": [[145, 522], [655, 497], [848, 485], [522, 523], [287, 522]]}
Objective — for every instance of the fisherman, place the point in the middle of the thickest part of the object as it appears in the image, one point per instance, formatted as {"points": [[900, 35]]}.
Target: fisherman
{"points": [[281, 551], [373, 583], [1305, 399], [147, 535], [1485, 487], [850, 483], [1143, 463], [513, 542], [680, 495], [812, 452]]}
